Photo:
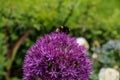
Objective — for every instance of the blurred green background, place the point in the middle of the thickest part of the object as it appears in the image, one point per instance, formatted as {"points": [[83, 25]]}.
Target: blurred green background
{"points": [[23, 21]]}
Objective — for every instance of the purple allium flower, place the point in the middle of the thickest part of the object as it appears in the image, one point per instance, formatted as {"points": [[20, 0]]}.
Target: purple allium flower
{"points": [[56, 57]]}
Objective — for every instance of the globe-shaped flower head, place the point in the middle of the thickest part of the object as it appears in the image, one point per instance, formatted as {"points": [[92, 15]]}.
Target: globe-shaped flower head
{"points": [[56, 57]]}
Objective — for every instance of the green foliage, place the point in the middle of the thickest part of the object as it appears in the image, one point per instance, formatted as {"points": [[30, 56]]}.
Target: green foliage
{"points": [[109, 53], [93, 19], [108, 56]]}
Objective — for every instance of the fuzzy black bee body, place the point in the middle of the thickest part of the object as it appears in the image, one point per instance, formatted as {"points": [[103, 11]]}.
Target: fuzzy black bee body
{"points": [[63, 29]]}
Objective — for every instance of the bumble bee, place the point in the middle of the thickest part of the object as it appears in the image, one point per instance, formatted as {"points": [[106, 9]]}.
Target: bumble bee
{"points": [[63, 29]]}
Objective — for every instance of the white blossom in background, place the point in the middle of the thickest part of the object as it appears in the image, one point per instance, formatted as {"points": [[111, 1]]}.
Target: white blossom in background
{"points": [[95, 56], [109, 74], [83, 42]]}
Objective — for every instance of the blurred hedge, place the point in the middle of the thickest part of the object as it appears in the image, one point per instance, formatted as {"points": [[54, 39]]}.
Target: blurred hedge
{"points": [[94, 20]]}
